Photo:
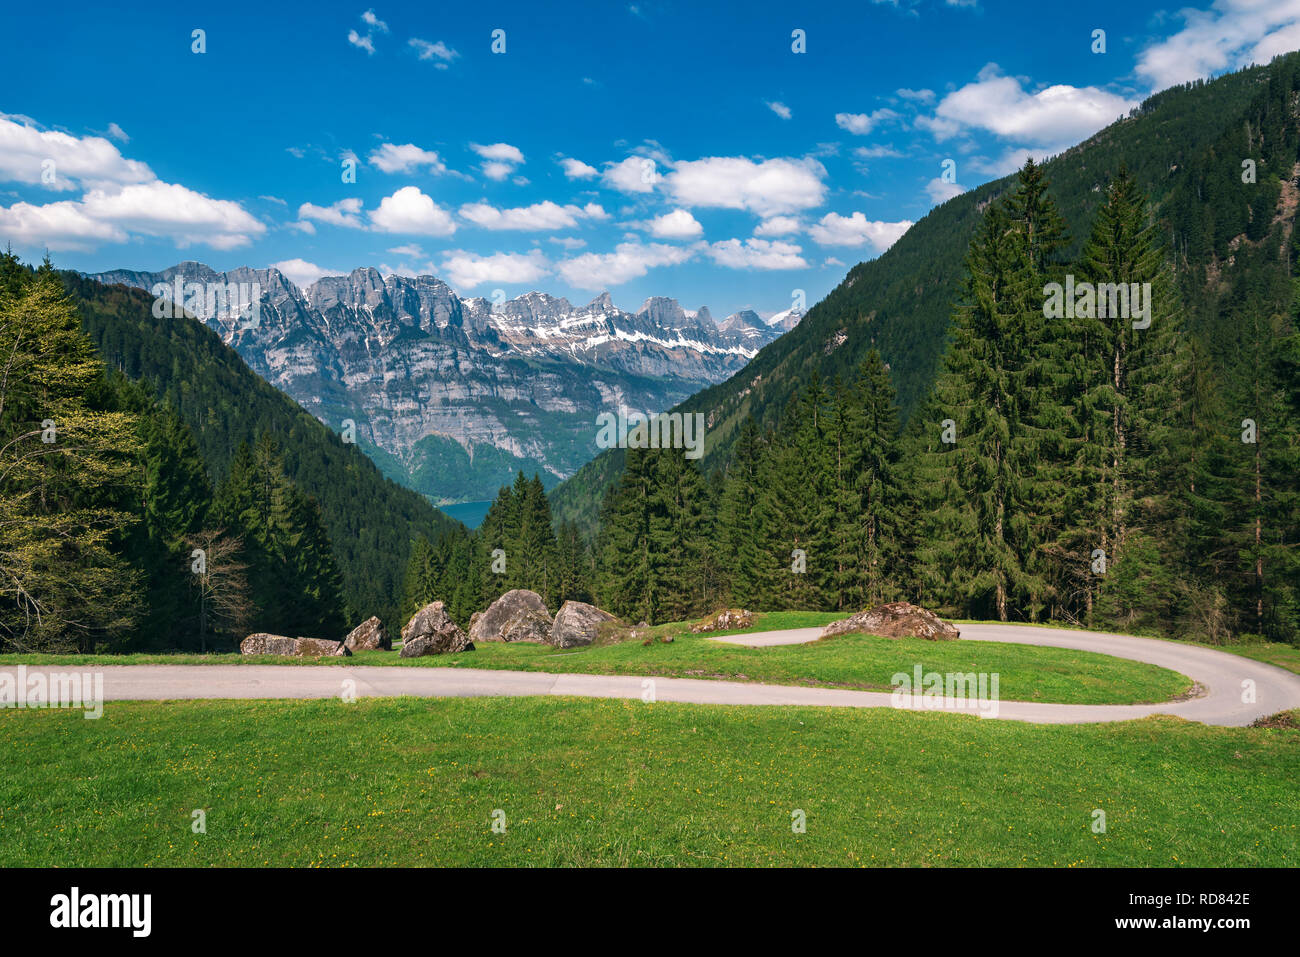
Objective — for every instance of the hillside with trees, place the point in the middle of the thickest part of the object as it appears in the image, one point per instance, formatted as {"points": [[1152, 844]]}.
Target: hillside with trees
{"points": [[1184, 148], [156, 494]]}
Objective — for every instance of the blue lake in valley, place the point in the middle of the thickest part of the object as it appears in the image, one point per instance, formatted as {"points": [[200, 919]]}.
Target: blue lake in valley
{"points": [[471, 513]]}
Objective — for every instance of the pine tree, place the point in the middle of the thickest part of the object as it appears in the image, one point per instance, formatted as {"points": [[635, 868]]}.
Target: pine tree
{"points": [[66, 468], [738, 533], [977, 539]]}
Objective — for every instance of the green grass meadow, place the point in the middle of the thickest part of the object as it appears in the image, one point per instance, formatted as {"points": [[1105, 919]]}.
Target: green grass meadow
{"points": [[592, 782]]}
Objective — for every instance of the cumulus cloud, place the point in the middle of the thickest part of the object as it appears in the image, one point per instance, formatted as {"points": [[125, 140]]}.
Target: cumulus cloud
{"points": [[406, 158], [757, 254], [465, 270], [346, 212], [500, 159], [636, 174], [1230, 35], [916, 96], [1053, 118], [537, 217], [859, 124], [29, 155], [373, 21], [300, 272], [678, 224], [123, 197], [778, 226], [768, 188], [856, 230], [59, 226], [410, 211], [577, 169], [117, 133], [780, 109], [628, 261]]}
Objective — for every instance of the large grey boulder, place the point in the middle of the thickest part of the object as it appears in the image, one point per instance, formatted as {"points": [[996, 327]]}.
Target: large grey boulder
{"points": [[518, 615], [263, 644], [897, 619], [370, 635], [577, 623], [432, 632]]}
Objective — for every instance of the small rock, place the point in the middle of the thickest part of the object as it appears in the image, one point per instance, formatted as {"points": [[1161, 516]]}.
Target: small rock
{"points": [[731, 619]]}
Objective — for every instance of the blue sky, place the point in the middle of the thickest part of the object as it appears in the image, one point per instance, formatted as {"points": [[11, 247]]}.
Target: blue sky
{"points": [[657, 148]]}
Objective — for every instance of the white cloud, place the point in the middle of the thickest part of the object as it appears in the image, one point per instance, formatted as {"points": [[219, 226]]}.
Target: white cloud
{"points": [[118, 133], [1053, 118], [465, 270], [636, 174], [1229, 35], [628, 261], [568, 242], [410, 211], [768, 188], [577, 169], [158, 209], [503, 152], [86, 162], [500, 159], [780, 109], [300, 272], [373, 21], [431, 51], [410, 251], [856, 230], [539, 216], [346, 212], [859, 124], [362, 42], [405, 159], [175, 212], [757, 254], [941, 192], [123, 197], [678, 224], [916, 96], [59, 226], [778, 226]]}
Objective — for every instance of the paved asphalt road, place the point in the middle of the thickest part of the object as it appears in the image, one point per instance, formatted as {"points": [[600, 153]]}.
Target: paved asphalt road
{"points": [[1221, 675]]}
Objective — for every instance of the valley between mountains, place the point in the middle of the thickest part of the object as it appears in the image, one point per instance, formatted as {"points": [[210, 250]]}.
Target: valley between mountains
{"points": [[453, 396]]}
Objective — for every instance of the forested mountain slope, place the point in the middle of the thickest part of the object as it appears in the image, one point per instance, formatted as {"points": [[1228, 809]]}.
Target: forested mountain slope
{"points": [[1184, 147], [371, 521]]}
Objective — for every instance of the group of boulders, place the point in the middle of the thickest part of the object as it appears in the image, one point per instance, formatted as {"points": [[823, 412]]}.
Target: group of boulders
{"points": [[518, 615], [521, 615], [367, 636]]}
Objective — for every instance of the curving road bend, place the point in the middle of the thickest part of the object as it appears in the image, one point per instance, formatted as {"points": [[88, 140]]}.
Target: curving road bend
{"points": [[1222, 675]]}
